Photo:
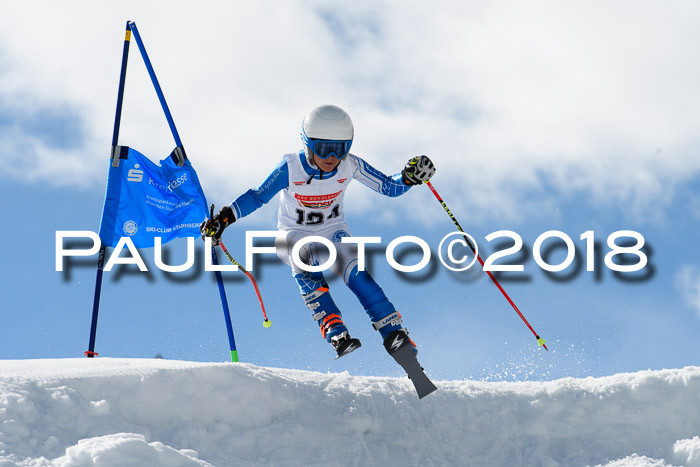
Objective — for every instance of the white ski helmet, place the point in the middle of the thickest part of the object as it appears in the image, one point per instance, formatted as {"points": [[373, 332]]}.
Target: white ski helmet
{"points": [[327, 131]]}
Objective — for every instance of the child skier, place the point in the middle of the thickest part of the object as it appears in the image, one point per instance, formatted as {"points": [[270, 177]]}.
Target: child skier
{"points": [[312, 184]]}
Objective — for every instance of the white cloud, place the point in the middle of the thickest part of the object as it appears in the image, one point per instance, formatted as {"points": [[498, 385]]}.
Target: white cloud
{"points": [[688, 283], [598, 99]]}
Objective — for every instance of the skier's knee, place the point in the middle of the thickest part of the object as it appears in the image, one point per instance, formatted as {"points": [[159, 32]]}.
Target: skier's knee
{"points": [[309, 282]]}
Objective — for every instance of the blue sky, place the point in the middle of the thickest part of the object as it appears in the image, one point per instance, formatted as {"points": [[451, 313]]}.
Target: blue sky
{"points": [[534, 122]]}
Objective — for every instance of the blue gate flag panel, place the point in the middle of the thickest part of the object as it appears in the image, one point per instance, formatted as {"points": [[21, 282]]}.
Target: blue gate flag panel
{"points": [[145, 200]]}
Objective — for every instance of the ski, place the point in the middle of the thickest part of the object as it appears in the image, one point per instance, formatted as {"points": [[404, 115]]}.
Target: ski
{"points": [[400, 348]]}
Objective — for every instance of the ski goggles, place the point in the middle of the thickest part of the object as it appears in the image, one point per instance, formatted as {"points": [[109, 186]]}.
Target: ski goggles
{"points": [[324, 148]]}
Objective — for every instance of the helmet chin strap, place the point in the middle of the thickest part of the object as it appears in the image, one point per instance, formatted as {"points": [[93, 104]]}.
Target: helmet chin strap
{"points": [[308, 182], [312, 163]]}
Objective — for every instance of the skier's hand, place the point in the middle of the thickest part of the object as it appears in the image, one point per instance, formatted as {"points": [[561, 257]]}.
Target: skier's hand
{"points": [[418, 170], [215, 226]]}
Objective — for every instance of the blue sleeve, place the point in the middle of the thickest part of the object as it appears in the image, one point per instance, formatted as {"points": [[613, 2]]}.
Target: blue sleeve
{"points": [[253, 199], [376, 180]]}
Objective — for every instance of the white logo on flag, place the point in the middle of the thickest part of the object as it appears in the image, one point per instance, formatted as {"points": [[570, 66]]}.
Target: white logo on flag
{"points": [[130, 228], [135, 175]]}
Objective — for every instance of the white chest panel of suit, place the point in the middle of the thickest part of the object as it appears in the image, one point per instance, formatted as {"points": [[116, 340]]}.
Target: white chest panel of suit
{"points": [[313, 205]]}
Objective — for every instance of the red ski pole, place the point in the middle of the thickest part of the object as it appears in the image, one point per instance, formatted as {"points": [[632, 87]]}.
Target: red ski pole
{"points": [[540, 341], [210, 232], [267, 323]]}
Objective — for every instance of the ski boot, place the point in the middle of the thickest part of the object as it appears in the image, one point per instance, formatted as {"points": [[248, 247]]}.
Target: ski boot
{"points": [[344, 344], [391, 323], [330, 321], [402, 349]]}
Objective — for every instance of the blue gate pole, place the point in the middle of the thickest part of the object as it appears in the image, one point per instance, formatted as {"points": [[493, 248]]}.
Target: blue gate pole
{"points": [[90, 353], [152, 74], [224, 305], [178, 142]]}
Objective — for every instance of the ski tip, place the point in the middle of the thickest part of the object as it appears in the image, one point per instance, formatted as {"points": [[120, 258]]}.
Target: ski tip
{"points": [[267, 323], [427, 392]]}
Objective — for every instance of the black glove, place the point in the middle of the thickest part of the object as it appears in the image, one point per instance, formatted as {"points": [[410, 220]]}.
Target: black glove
{"points": [[418, 170], [215, 226]]}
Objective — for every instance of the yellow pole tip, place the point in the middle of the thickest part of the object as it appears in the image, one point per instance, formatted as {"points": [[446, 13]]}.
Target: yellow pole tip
{"points": [[541, 341], [267, 323]]}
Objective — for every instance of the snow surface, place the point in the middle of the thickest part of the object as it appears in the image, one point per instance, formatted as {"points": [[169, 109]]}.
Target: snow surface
{"points": [[107, 412]]}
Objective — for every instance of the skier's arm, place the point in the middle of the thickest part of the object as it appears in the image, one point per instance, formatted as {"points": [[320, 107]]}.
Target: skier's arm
{"points": [[246, 203], [253, 199], [376, 180]]}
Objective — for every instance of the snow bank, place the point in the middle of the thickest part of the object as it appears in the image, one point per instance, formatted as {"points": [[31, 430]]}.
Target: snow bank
{"points": [[106, 412]]}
